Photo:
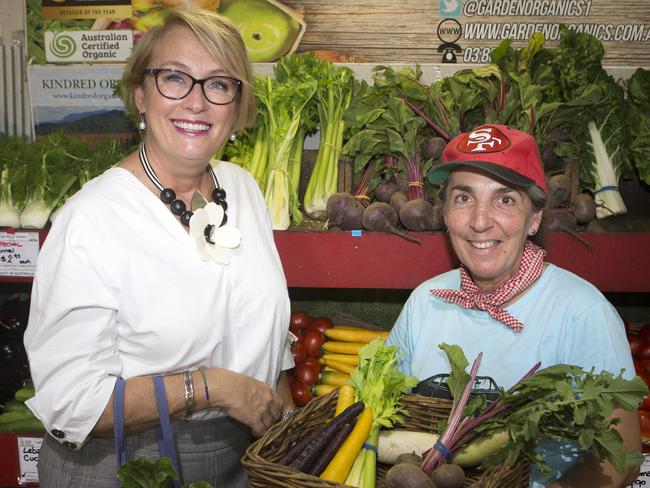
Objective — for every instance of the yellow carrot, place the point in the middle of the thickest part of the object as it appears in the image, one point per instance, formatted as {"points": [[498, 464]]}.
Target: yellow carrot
{"points": [[352, 334], [335, 378], [346, 398], [339, 467], [321, 389], [352, 359], [342, 347], [339, 366]]}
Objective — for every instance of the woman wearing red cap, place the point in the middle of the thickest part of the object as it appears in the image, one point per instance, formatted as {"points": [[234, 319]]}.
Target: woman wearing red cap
{"points": [[505, 301]]}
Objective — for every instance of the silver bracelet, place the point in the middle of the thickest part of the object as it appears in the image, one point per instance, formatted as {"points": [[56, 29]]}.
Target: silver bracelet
{"points": [[189, 392], [287, 414]]}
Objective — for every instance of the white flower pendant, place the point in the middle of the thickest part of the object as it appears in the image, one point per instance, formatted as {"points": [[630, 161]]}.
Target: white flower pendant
{"points": [[212, 241]]}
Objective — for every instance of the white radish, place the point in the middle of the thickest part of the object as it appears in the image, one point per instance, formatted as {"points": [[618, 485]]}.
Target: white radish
{"points": [[394, 442]]}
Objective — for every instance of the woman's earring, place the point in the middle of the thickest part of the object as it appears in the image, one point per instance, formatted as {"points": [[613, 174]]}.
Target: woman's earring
{"points": [[143, 123], [233, 137], [532, 232]]}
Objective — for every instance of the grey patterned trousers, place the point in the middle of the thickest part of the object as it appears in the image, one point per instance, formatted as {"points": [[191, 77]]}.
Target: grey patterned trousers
{"points": [[207, 451]]}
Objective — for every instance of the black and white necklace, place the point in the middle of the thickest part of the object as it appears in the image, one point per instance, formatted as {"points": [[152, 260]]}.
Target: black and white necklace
{"points": [[168, 196]]}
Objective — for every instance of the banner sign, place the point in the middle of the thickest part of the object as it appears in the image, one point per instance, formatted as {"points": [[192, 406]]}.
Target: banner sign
{"points": [[77, 99], [466, 31]]}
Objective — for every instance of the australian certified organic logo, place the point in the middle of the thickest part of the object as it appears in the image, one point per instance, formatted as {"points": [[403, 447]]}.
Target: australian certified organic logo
{"points": [[62, 45], [88, 46]]}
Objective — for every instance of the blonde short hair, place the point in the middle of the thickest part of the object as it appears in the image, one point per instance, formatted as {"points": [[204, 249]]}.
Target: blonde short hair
{"points": [[220, 38]]}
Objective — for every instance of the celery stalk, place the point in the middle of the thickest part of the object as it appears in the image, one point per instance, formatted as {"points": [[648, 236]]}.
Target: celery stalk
{"points": [[284, 102], [333, 100]]}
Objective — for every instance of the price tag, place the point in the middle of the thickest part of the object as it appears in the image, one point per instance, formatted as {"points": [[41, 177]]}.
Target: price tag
{"points": [[28, 450], [18, 253], [644, 476]]}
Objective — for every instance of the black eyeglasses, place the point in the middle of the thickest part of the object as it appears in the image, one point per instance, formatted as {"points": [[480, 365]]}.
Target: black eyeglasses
{"points": [[175, 85]]}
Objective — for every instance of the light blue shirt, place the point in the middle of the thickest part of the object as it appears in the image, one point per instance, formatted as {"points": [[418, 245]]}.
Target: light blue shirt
{"points": [[566, 321]]}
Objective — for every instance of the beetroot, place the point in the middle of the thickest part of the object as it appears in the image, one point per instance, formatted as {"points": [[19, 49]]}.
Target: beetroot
{"points": [[380, 216], [584, 208], [384, 190], [398, 199], [550, 159], [562, 219], [406, 475], [344, 211], [416, 215], [402, 184], [559, 191], [432, 148]]}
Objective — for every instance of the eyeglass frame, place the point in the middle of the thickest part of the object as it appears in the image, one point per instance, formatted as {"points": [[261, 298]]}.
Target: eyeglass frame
{"points": [[200, 81]]}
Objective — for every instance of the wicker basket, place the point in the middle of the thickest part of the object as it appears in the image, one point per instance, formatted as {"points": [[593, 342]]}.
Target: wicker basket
{"points": [[424, 413]]}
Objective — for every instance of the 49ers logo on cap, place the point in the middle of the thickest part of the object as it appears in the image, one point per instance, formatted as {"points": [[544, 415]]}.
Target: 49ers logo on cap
{"points": [[484, 139]]}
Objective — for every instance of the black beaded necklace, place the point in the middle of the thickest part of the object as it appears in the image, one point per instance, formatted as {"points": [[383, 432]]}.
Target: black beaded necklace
{"points": [[168, 196]]}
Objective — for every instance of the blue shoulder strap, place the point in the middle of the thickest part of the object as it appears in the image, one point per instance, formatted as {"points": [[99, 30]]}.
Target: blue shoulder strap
{"points": [[118, 423], [163, 431], [164, 434]]}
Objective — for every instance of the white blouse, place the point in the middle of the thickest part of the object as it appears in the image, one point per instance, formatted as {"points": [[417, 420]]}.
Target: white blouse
{"points": [[120, 290]]}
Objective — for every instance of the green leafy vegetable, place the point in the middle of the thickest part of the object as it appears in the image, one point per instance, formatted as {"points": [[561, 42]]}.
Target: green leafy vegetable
{"points": [[141, 473], [599, 130], [560, 402], [638, 121], [379, 385]]}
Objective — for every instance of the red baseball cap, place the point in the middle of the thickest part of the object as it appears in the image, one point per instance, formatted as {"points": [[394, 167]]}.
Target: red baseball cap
{"points": [[507, 153]]}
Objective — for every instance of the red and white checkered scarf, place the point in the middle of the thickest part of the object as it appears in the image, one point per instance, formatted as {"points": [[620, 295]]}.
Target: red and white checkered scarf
{"points": [[470, 296]]}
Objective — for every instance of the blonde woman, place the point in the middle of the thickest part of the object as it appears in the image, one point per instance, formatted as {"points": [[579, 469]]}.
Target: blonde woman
{"points": [[164, 265]]}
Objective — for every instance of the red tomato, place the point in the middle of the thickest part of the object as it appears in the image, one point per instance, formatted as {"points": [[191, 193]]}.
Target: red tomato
{"points": [[313, 340], [644, 334], [300, 394], [307, 374], [321, 324], [298, 351], [635, 343], [299, 321], [644, 420], [313, 362], [643, 352]]}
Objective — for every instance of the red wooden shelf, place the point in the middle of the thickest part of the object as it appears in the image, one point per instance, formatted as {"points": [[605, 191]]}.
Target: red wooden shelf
{"points": [[618, 262]]}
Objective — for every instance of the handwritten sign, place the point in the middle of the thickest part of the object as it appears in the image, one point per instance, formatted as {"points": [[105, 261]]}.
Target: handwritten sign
{"points": [[28, 450], [18, 253], [644, 476]]}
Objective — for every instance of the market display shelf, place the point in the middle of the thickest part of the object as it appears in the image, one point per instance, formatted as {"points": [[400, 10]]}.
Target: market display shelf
{"points": [[617, 261]]}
